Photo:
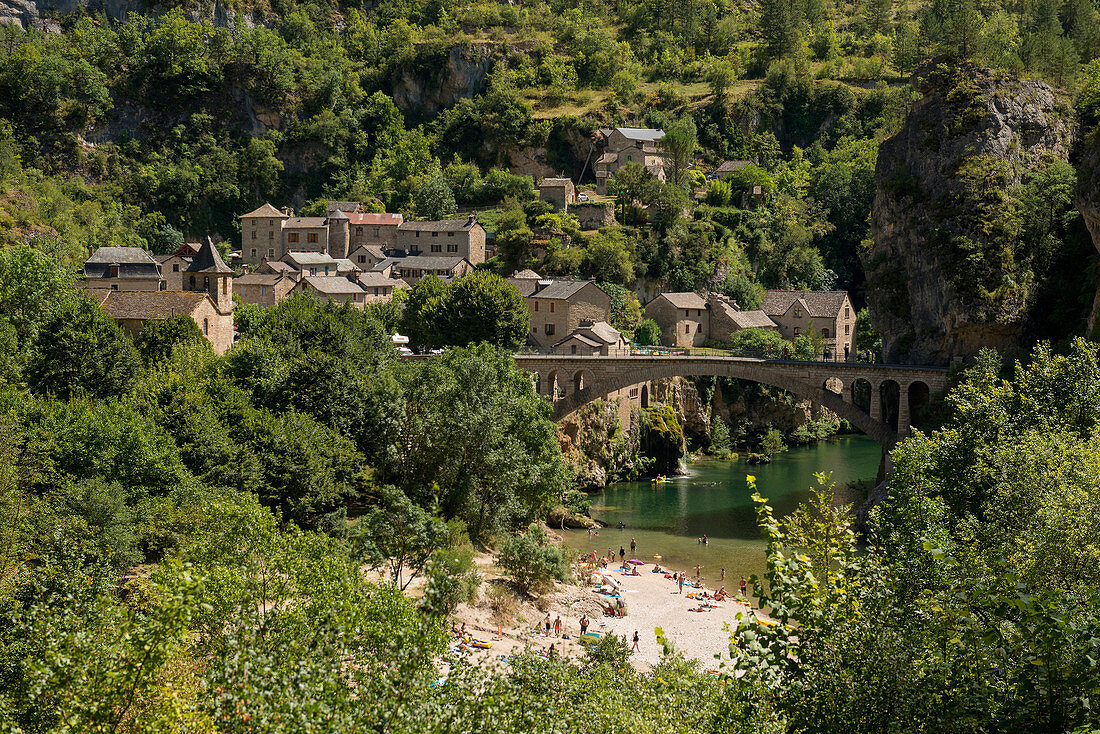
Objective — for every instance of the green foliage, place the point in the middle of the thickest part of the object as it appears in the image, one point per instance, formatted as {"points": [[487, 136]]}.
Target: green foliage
{"points": [[531, 561], [481, 307], [772, 443], [157, 339], [82, 351], [647, 333], [434, 199], [397, 533]]}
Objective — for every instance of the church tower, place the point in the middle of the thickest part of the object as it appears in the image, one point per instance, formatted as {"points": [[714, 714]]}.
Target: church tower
{"points": [[208, 273], [339, 231]]}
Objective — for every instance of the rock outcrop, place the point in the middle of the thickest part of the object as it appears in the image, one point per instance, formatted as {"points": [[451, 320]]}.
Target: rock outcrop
{"points": [[947, 272], [437, 82], [1088, 203], [45, 15]]}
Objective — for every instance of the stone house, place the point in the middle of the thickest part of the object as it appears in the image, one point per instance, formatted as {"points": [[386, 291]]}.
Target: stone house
{"points": [[173, 266], [123, 269], [559, 307], [558, 192], [683, 318], [312, 263], [367, 256], [268, 234], [624, 145], [262, 234], [377, 229], [205, 296], [414, 267], [726, 318], [263, 289], [278, 267], [334, 288], [594, 339], [462, 238], [829, 314], [380, 286], [307, 234]]}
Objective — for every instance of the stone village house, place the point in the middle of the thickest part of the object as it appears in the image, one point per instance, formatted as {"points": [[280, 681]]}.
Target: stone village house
{"points": [[624, 145], [129, 287]]}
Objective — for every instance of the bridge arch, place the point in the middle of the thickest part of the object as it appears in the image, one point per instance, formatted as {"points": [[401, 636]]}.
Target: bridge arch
{"points": [[813, 391]]}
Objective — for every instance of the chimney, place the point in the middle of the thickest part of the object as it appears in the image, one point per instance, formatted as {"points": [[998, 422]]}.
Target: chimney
{"points": [[471, 221]]}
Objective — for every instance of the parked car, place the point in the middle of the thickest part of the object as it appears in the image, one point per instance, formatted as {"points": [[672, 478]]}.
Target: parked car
{"points": [[582, 197]]}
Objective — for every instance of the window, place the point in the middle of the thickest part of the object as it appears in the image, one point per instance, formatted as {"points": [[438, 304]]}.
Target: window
{"points": [[418, 233], [225, 286], [192, 282], [450, 234], [313, 271], [437, 248], [270, 223], [825, 333], [573, 349], [847, 329], [847, 313], [376, 231], [326, 270], [311, 237], [798, 313], [452, 248], [362, 258], [630, 158], [176, 266], [687, 328], [536, 305], [206, 282], [292, 237], [358, 231], [534, 329], [263, 290], [270, 252], [114, 286], [253, 234], [549, 329], [435, 234], [253, 252], [700, 329], [206, 327], [271, 235], [797, 331], [551, 307]]}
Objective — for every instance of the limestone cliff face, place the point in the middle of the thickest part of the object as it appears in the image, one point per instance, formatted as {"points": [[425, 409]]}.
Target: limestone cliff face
{"points": [[946, 273], [1088, 203], [436, 83], [44, 15]]}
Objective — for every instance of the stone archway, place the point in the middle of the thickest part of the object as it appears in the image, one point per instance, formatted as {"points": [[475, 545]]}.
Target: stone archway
{"points": [[890, 401], [861, 394], [645, 395], [919, 397], [552, 384]]}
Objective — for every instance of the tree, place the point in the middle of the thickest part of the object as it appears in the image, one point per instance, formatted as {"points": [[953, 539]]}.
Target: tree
{"points": [[398, 533], [157, 339], [744, 292], [480, 307], [509, 468], [434, 199], [606, 258], [81, 350], [647, 333], [953, 27], [531, 561], [779, 28], [679, 144], [630, 184], [876, 17]]}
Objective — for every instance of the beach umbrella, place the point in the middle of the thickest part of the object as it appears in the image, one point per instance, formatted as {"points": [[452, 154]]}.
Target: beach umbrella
{"points": [[636, 562]]}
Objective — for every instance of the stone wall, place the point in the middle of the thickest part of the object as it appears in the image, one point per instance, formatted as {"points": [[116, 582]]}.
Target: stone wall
{"points": [[592, 215]]}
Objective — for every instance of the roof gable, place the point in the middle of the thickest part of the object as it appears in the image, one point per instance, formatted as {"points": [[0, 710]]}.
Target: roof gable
{"points": [[264, 212], [208, 260], [685, 300], [818, 304]]}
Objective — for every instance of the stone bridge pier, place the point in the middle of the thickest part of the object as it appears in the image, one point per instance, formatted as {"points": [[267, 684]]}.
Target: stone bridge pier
{"points": [[881, 400]]}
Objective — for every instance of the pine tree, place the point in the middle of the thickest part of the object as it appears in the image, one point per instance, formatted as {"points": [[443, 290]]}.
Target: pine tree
{"points": [[876, 16]]}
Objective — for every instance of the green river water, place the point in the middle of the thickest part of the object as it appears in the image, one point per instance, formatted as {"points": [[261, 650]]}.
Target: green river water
{"points": [[669, 518]]}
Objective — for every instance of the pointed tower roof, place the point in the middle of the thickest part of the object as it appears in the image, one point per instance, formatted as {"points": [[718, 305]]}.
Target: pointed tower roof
{"points": [[208, 260], [338, 215], [264, 212]]}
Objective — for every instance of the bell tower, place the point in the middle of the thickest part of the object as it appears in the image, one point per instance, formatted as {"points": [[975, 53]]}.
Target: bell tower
{"points": [[208, 273]]}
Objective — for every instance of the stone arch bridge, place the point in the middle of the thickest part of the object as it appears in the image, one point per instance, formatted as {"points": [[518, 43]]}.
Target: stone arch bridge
{"points": [[880, 400]]}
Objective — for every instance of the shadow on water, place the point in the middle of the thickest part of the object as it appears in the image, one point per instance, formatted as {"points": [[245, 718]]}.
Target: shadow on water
{"points": [[713, 499]]}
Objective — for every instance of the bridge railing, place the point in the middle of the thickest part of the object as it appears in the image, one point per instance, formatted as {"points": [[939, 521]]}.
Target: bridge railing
{"points": [[745, 353]]}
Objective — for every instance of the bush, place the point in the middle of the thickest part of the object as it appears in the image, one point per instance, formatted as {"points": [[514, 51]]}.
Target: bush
{"points": [[531, 562], [647, 333]]}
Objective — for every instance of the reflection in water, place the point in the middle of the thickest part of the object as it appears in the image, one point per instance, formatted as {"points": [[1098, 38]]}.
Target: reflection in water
{"points": [[669, 518]]}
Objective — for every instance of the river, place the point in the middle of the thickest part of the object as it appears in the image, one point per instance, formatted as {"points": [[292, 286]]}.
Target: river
{"points": [[669, 518]]}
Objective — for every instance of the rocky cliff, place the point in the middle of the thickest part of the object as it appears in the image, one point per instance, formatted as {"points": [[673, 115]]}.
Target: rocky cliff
{"points": [[441, 77], [949, 270], [44, 15], [1088, 203]]}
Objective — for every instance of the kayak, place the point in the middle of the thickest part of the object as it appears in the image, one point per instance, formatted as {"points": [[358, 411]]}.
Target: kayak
{"points": [[483, 644]]}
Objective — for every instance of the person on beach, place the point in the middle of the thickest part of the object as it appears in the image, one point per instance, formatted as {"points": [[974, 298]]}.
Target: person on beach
{"points": [[584, 623], [723, 574], [680, 581], [552, 652], [557, 627], [633, 546], [622, 553], [744, 588], [705, 541], [635, 648], [546, 623], [698, 570]]}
